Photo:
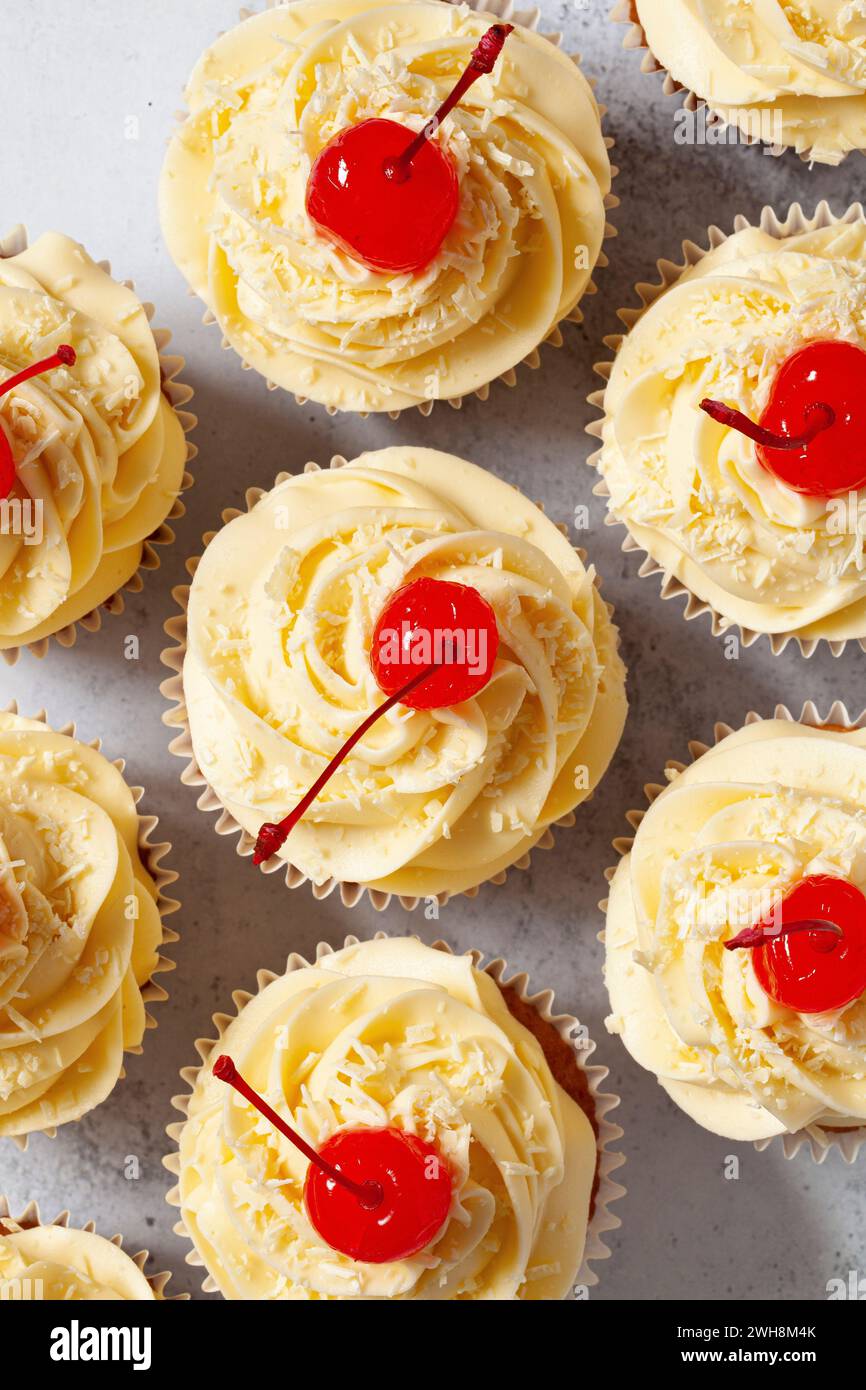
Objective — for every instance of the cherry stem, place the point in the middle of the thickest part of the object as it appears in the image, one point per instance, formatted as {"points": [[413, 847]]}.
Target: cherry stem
{"points": [[63, 357], [819, 417], [272, 836], [369, 1194], [765, 932], [483, 60]]}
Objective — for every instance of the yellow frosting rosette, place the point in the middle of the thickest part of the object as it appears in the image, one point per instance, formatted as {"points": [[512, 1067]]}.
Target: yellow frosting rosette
{"points": [[98, 447], [61, 1264], [387, 1032], [534, 178], [80, 927], [276, 675], [43, 1261], [692, 493], [769, 805], [789, 72]]}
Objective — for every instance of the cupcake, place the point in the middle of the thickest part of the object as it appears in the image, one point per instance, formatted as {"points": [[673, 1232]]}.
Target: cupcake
{"points": [[94, 447], [791, 73], [383, 1036], [277, 667], [736, 934], [328, 317], [56, 1262], [732, 439], [80, 926]]}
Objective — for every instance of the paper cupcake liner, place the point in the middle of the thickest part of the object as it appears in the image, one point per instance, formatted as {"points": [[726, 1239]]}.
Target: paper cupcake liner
{"points": [[528, 19], [794, 223], [152, 854], [609, 1159], [625, 12], [226, 824], [178, 396], [30, 1218], [819, 1141]]}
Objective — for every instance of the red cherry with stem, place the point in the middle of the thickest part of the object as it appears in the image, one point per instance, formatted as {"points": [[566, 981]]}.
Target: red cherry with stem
{"points": [[63, 357], [387, 200], [416, 1195], [812, 434], [810, 951], [434, 622], [448, 631], [386, 224], [376, 1195]]}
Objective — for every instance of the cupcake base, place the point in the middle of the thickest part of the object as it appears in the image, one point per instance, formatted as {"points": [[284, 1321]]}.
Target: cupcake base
{"points": [[226, 824], [152, 854], [795, 222], [504, 10], [820, 1140], [178, 396], [566, 1048]]}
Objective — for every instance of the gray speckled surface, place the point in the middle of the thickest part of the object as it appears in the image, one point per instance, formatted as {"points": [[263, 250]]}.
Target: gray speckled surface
{"points": [[79, 80]]}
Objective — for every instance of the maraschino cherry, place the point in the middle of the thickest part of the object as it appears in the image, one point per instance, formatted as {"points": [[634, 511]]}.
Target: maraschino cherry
{"points": [[387, 200], [376, 1195], [435, 622], [63, 357], [810, 952], [449, 631], [812, 434]]}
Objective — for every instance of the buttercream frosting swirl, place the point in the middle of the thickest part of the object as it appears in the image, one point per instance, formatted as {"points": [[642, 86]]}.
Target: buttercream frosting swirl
{"points": [[533, 170], [277, 673], [61, 1264], [79, 927], [789, 72], [692, 492], [99, 451], [768, 806], [389, 1032]]}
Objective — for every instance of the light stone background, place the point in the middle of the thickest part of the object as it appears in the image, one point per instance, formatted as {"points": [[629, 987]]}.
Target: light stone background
{"points": [[79, 79]]}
